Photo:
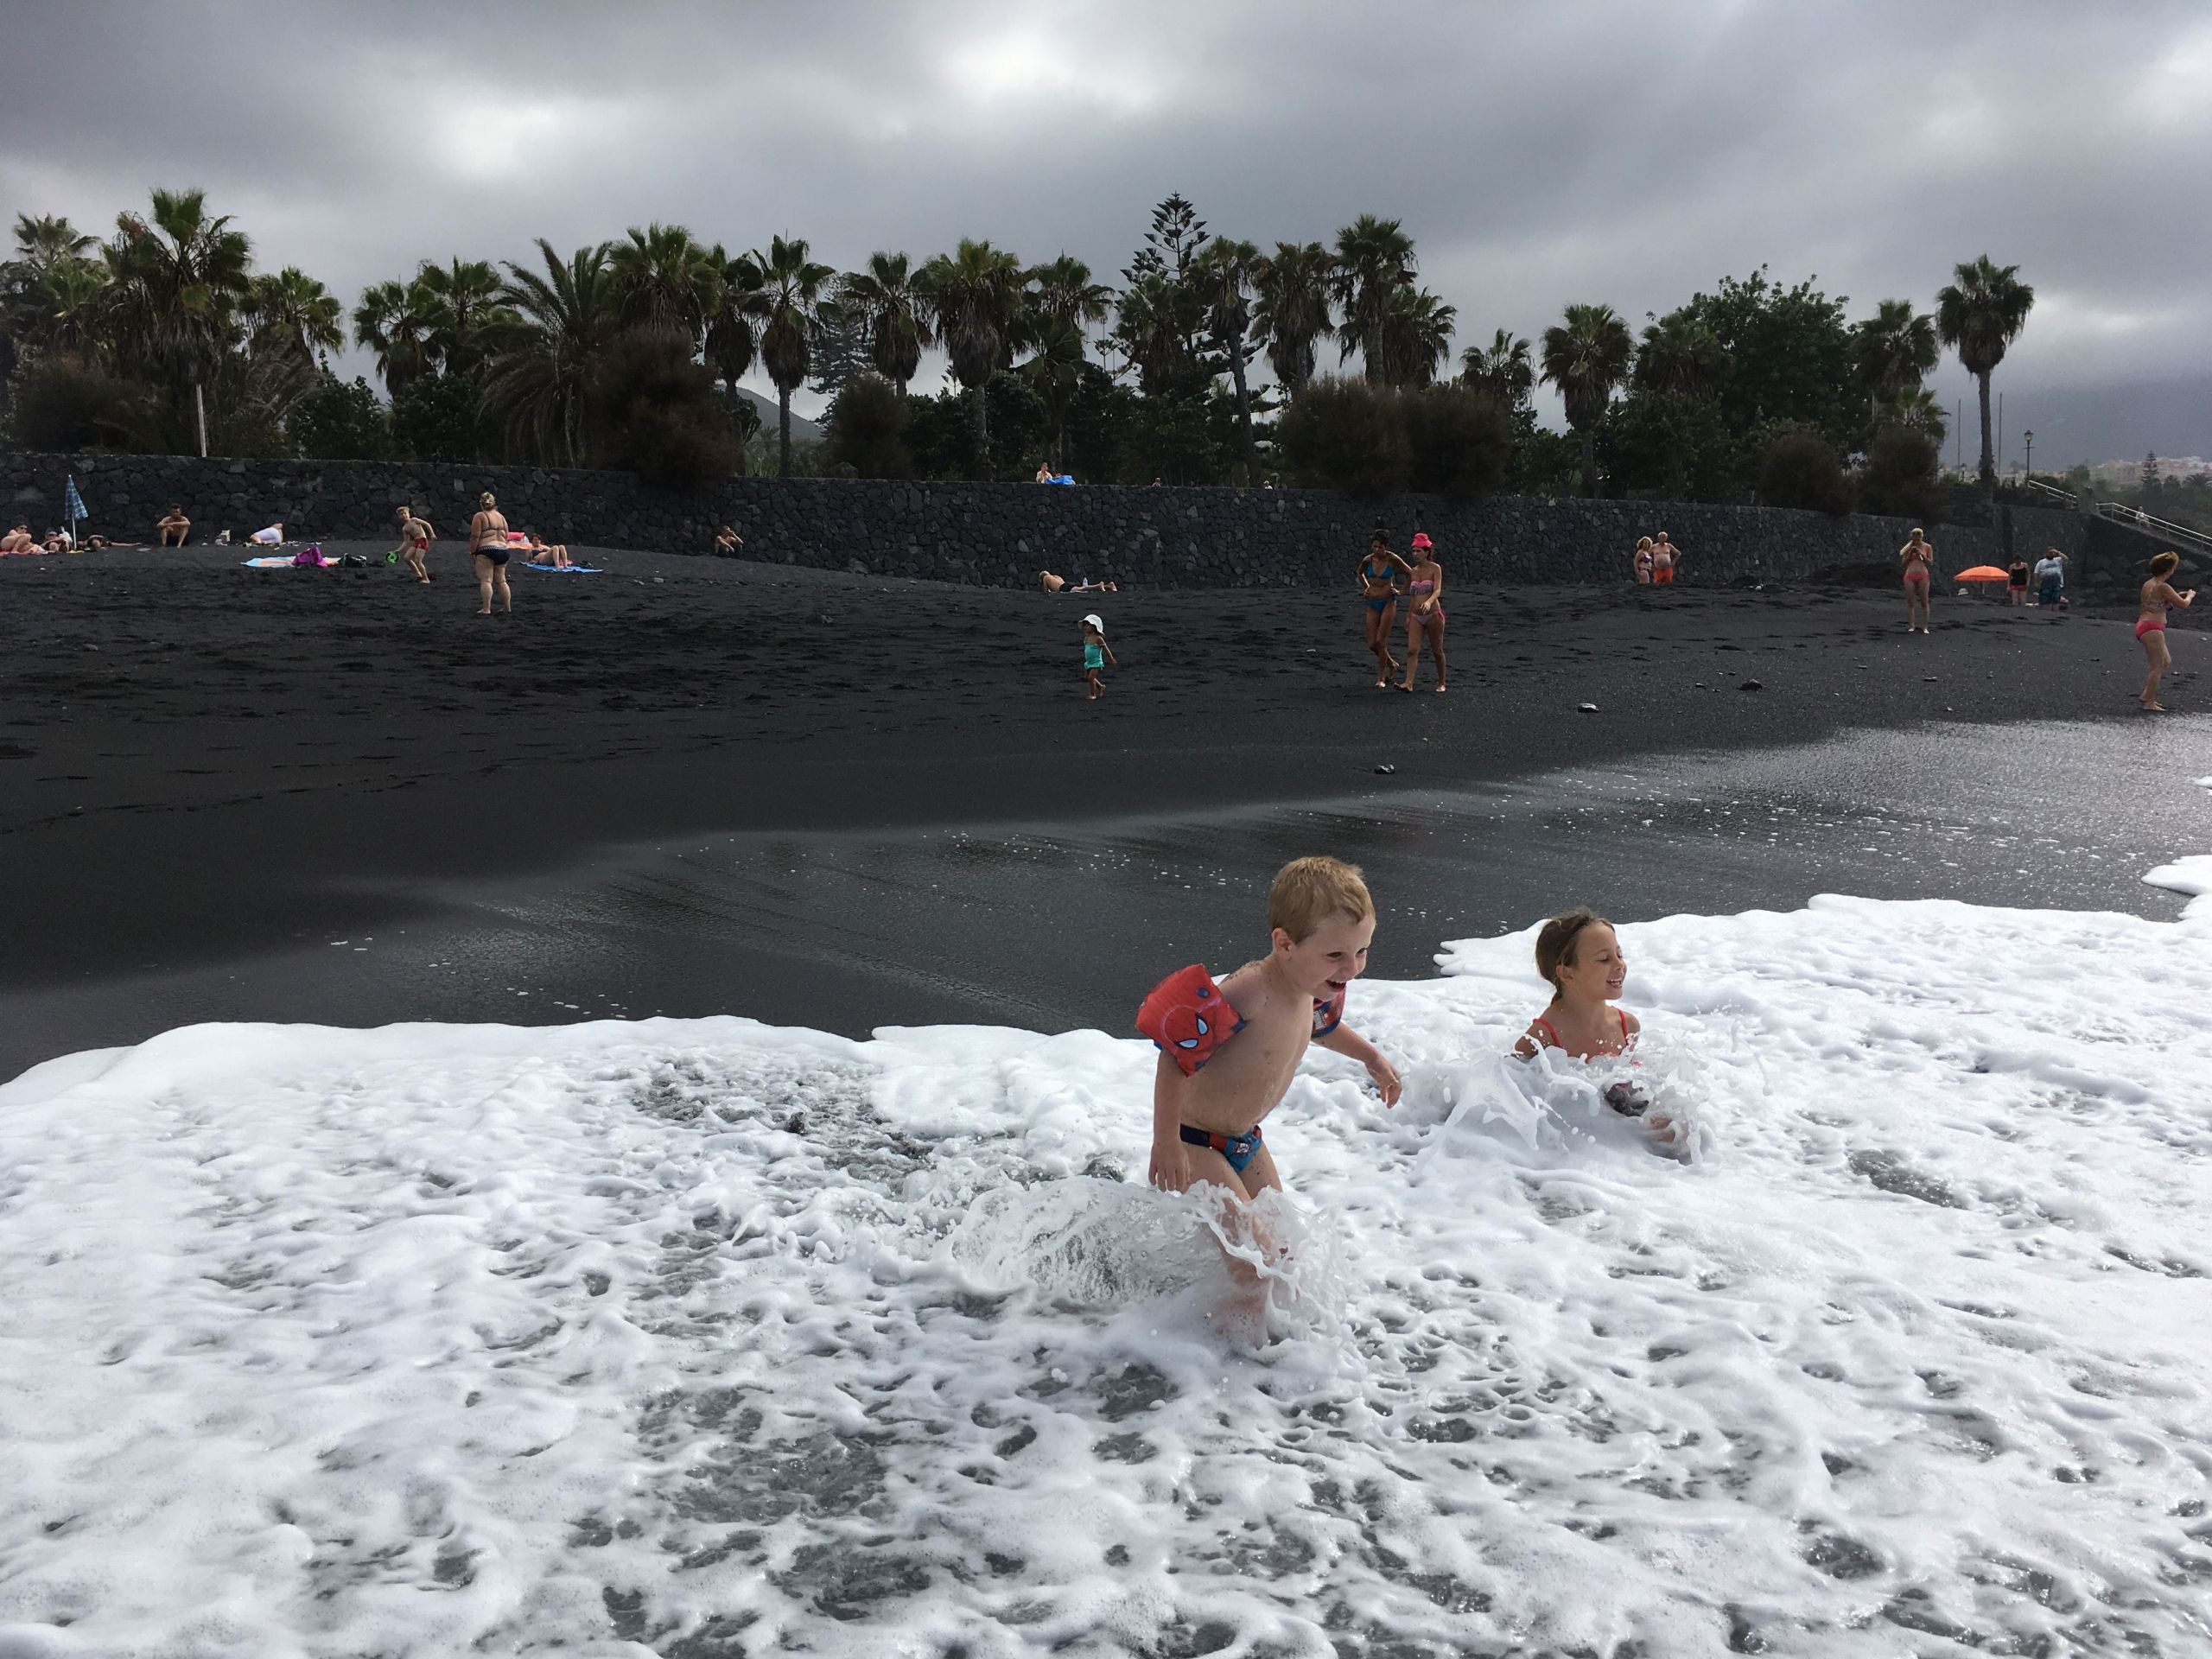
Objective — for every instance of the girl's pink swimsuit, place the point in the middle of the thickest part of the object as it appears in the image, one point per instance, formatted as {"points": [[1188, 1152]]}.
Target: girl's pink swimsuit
{"points": [[1424, 588]]}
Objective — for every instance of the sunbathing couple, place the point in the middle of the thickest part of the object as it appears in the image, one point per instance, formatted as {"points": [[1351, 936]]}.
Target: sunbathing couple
{"points": [[1230, 1051]]}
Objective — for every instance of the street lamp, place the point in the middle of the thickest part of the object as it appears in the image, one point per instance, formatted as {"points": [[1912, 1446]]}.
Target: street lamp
{"points": [[2030, 438]]}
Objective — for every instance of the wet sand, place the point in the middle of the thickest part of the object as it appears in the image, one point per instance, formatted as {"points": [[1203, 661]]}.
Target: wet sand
{"points": [[209, 774]]}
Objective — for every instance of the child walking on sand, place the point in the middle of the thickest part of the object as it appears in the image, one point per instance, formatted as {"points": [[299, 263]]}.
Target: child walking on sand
{"points": [[1227, 1052], [1580, 955], [1097, 653]]}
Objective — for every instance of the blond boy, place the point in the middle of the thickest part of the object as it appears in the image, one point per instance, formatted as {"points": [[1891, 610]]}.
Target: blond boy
{"points": [[1227, 1052]]}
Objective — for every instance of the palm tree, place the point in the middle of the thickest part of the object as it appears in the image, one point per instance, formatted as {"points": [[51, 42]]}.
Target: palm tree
{"points": [[178, 282], [1501, 368], [1892, 351], [788, 306], [457, 301], [1978, 316], [667, 280], [886, 298], [1374, 258], [1155, 321], [1588, 358], [1294, 310], [1224, 274], [1055, 368], [542, 345], [976, 303], [1682, 356], [75, 295], [1064, 291], [1415, 338], [1916, 410], [293, 313], [49, 240], [730, 340], [389, 323]]}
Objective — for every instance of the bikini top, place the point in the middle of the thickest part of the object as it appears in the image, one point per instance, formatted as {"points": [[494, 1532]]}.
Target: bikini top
{"points": [[1419, 586], [1374, 575], [1551, 1033]]}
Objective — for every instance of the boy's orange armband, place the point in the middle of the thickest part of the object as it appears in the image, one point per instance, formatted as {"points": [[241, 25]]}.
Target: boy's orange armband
{"points": [[1189, 1018]]}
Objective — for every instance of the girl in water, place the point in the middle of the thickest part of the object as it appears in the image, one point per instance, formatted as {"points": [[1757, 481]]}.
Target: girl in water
{"points": [[1424, 618], [487, 549], [1580, 955], [2157, 595], [1378, 585], [1919, 561]]}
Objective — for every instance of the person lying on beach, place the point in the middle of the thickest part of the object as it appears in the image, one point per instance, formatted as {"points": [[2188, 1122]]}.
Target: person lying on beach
{"points": [[544, 552], [1049, 583], [61, 541], [1580, 955], [727, 540], [416, 535], [1087, 586], [174, 522], [1227, 1052], [1097, 653], [272, 537]]}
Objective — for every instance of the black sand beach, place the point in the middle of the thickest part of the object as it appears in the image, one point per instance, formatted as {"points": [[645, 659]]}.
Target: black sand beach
{"points": [[210, 774]]}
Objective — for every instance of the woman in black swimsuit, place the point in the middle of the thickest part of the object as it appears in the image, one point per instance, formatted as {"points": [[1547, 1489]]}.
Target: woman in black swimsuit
{"points": [[1378, 585], [488, 548]]}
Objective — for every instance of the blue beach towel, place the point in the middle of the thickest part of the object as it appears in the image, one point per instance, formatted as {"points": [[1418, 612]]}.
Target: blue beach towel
{"points": [[568, 570]]}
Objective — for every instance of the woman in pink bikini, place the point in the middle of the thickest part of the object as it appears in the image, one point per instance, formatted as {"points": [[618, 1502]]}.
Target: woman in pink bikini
{"points": [[2156, 596], [1919, 561], [1424, 612]]}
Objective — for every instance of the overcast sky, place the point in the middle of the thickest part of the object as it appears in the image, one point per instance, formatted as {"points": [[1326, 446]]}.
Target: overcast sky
{"points": [[1627, 151]]}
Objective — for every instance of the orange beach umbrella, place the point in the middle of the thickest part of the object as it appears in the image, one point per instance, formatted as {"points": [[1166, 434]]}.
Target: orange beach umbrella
{"points": [[1982, 573]]}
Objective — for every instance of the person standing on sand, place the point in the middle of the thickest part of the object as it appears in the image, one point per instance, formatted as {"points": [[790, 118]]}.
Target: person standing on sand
{"points": [[1425, 621], [1664, 557], [2016, 583], [487, 547], [416, 535], [1643, 562], [1378, 586], [174, 522], [1919, 561], [2157, 595], [2050, 578], [1097, 654]]}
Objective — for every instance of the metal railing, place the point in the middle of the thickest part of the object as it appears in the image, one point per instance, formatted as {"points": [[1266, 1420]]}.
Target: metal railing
{"points": [[2131, 518]]}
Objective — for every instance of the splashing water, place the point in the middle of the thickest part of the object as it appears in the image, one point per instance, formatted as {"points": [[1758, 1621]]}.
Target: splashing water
{"points": [[706, 1338]]}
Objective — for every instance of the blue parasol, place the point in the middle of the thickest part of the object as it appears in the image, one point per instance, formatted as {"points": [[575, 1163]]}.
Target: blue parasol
{"points": [[74, 505]]}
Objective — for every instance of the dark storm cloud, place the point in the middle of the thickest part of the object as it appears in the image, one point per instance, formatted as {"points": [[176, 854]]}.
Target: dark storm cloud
{"points": [[1627, 152]]}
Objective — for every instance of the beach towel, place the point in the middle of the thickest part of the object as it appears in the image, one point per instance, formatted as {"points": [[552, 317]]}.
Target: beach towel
{"points": [[282, 561], [566, 569]]}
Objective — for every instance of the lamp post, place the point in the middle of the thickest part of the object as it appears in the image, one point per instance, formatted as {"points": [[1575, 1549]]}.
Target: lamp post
{"points": [[2030, 439]]}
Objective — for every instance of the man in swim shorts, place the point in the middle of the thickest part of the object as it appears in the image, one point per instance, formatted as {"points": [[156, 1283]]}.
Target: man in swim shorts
{"points": [[1665, 556], [1227, 1052], [173, 524]]}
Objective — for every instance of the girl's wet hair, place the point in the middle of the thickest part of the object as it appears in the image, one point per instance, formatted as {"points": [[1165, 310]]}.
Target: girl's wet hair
{"points": [[487, 501], [2166, 563], [1558, 939]]}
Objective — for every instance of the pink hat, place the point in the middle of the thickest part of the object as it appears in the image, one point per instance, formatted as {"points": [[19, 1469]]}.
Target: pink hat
{"points": [[1420, 539]]}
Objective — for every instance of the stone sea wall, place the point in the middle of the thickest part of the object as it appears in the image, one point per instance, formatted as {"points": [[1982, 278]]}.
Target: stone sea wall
{"points": [[1003, 534]]}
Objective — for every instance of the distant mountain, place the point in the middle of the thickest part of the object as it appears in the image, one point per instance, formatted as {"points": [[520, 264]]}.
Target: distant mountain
{"points": [[802, 430]]}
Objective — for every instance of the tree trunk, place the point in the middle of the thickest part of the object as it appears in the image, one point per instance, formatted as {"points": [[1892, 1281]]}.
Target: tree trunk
{"points": [[1243, 415], [979, 430], [1589, 462], [199, 412], [1988, 456], [783, 431]]}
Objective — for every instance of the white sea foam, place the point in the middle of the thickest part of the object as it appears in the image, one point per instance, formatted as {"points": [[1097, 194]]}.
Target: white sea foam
{"points": [[702, 1338]]}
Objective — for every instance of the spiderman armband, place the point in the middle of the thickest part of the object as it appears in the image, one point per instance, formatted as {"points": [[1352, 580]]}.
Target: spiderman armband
{"points": [[1189, 1018]]}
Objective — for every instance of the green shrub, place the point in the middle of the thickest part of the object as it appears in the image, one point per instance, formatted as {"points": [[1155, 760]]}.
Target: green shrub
{"points": [[1899, 476], [339, 420], [1460, 440], [867, 428], [1801, 469], [1347, 434], [59, 404], [657, 413]]}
